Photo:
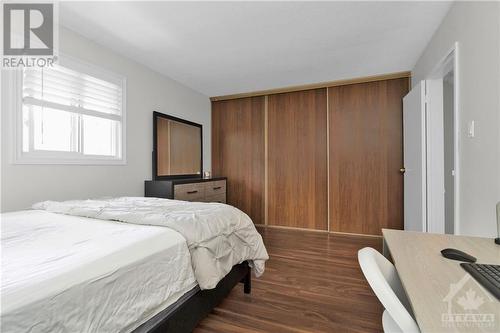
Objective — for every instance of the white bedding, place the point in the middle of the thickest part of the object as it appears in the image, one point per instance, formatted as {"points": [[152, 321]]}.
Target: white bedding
{"points": [[64, 273], [218, 236]]}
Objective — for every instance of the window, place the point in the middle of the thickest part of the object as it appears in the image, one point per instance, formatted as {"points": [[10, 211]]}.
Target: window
{"points": [[71, 113]]}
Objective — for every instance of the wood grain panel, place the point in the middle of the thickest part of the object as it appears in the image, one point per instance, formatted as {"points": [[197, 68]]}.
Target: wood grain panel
{"points": [[238, 152], [297, 159], [185, 147], [365, 155], [312, 283], [163, 142]]}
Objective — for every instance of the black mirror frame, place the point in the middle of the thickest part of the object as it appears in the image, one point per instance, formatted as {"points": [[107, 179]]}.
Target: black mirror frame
{"points": [[157, 114]]}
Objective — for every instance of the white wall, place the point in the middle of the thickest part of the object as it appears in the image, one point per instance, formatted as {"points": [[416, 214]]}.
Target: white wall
{"points": [[22, 185], [476, 26]]}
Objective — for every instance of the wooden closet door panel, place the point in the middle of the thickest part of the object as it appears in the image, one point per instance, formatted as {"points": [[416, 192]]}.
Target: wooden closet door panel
{"points": [[297, 160], [366, 153], [238, 152]]}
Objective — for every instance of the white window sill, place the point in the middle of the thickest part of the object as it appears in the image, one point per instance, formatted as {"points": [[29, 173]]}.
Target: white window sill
{"points": [[61, 161]]}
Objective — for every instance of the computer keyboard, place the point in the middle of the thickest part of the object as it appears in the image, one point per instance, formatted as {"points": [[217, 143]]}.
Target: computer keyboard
{"points": [[487, 275]]}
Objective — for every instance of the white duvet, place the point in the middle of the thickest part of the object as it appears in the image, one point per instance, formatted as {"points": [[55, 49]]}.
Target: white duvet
{"points": [[218, 236], [64, 273]]}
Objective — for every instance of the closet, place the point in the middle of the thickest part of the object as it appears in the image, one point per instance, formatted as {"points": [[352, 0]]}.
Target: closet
{"points": [[322, 157], [238, 152], [365, 155], [297, 160]]}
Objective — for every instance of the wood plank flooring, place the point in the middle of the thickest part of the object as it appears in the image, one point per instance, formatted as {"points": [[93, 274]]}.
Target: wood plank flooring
{"points": [[312, 283]]}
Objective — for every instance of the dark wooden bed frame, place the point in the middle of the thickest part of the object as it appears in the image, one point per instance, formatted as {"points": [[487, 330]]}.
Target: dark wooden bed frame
{"points": [[188, 312]]}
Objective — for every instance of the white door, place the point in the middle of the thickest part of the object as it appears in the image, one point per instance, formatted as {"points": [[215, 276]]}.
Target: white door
{"points": [[414, 136]]}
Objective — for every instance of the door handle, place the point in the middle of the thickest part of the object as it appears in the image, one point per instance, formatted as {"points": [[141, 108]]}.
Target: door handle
{"points": [[402, 170]]}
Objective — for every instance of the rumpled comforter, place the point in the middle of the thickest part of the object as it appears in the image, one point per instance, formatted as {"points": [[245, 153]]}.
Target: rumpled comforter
{"points": [[218, 236]]}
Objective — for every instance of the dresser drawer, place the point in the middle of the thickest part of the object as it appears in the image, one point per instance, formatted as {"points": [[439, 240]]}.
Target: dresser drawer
{"points": [[221, 197], [217, 187], [189, 192]]}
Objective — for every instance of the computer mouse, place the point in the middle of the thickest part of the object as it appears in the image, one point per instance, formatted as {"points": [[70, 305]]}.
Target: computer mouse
{"points": [[455, 254]]}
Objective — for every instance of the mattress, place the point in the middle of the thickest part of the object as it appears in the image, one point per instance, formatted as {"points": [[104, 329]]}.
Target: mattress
{"points": [[218, 236], [65, 273]]}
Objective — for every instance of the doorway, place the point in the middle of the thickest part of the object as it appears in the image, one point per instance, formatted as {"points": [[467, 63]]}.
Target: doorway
{"points": [[449, 152], [431, 151], [443, 143]]}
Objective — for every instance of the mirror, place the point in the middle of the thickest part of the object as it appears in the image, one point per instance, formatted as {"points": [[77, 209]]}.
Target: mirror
{"points": [[177, 147]]}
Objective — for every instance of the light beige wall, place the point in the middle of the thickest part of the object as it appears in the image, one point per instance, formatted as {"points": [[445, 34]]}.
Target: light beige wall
{"points": [[147, 91], [476, 27]]}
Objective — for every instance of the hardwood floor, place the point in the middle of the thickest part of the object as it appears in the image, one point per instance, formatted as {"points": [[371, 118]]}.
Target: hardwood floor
{"points": [[312, 283]]}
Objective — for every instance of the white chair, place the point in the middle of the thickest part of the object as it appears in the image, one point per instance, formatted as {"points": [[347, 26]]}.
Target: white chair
{"points": [[385, 283]]}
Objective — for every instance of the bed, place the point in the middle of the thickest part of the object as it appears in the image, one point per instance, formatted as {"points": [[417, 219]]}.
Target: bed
{"points": [[85, 266]]}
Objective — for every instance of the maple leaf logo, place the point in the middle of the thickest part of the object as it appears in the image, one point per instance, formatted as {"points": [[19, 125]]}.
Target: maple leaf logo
{"points": [[470, 301]]}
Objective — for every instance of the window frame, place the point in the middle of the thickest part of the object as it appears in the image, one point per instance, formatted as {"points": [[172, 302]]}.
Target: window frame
{"points": [[61, 157]]}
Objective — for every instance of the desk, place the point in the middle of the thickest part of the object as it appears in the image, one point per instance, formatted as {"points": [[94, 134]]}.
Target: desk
{"points": [[434, 285]]}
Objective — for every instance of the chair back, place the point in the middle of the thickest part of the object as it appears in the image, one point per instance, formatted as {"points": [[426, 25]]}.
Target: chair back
{"points": [[384, 281]]}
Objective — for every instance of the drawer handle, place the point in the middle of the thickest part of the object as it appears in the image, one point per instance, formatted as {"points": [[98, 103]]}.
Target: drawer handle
{"points": [[217, 188], [191, 192]]}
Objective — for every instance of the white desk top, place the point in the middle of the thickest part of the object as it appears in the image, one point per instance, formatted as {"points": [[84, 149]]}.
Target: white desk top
{"points": [[438, 288]]}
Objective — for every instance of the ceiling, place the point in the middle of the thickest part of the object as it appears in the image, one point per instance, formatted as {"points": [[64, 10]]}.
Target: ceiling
{"points": [[223, 48]]}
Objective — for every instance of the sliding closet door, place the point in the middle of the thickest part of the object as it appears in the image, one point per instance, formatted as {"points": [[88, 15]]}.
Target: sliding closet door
{"points": [[297, 159], [238, 152], [366, 153]]}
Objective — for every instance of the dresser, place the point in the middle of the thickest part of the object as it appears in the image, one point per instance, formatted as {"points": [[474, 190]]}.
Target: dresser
{"points": [[191, 189]]}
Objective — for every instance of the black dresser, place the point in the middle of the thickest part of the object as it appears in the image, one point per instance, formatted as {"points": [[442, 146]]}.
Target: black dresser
{"points": [[191, 189]]}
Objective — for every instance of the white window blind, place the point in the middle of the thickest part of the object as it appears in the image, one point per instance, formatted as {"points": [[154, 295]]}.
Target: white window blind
{"points": [[70, 114]]}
